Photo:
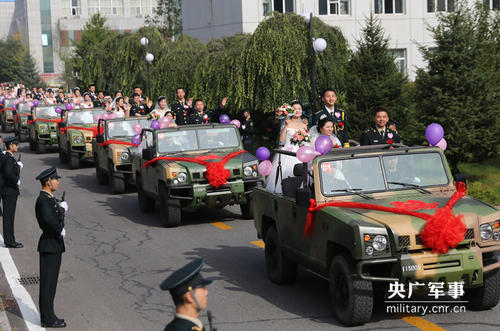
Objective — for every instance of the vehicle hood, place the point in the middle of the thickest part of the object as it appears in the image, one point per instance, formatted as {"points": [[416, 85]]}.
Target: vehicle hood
{"points": [[235, 162]]}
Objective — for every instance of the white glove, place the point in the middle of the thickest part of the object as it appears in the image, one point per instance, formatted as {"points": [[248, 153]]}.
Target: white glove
{"points": [[63, 233], [20, 164], [64, 205], [19, 182], [243, 126]]}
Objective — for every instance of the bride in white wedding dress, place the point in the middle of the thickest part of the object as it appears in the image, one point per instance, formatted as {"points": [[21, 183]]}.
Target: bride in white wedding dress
{"points": [[292, 125]]}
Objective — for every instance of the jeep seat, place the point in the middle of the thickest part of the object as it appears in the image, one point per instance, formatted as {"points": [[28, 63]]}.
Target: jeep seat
{"points": [[290, 185]]}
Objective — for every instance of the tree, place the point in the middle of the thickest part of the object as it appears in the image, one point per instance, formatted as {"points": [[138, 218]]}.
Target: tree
{"points": [[19, 66], [461, 87], [374, 80], [28, 73], [167, 18]]}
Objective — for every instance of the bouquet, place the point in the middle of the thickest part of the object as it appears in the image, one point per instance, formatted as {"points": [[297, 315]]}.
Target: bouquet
{"points": [[154, 116], [283, 111], [300, 137]]}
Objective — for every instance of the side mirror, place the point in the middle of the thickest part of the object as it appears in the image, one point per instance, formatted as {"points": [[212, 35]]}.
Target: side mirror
{"points": [[99, 138], [461, 178], [30, 118], [148, 153]]}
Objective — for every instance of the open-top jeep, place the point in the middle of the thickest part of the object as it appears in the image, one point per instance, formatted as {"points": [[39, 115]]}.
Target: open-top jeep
{"points": [[112, 151], [7, 115], [366, 216], [76, 131], [42, 127], [194, 166], [21, 121]]}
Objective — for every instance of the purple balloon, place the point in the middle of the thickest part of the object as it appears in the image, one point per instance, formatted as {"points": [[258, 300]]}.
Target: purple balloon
{"points": [[136, 139], [263, 153], [265, 168], [224, 119], [58, 110], [69, 106], [155, 124], [137, 127], [434, 133], [306, 154], [323, 144], [442, 144], [35, 102]]}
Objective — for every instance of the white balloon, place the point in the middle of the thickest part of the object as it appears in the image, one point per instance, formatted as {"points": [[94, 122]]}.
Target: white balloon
{"points": [[150, 57], [319, 45], [144, 41]]}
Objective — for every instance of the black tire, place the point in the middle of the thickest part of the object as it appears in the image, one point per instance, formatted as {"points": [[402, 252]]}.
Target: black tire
{"points": [[247, 209], [31, 143], [170, 209], [102, 176], [146, 204], [352, 297], [40, 147], [117, 183], [63, 157], [488, 295], [280, 269], [74, 162]]}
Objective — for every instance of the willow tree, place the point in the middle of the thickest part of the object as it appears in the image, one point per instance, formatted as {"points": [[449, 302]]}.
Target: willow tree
{"points": [[278, 61], [220, 73]]}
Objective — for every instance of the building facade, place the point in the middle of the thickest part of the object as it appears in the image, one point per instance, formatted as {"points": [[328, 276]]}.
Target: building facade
{"points": [[405, 22]]}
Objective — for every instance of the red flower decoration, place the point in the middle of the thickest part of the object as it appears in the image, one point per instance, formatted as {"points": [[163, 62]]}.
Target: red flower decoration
{"points": [[336, 146], [389, 141], [414, 204], [341, 125]]}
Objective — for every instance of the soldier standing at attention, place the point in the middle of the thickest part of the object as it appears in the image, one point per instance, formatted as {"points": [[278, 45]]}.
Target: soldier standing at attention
{"points": [[11, 170], [188, 290], [247, 131], [336, 115], [182, 109], [50, 216], [381, 133]]}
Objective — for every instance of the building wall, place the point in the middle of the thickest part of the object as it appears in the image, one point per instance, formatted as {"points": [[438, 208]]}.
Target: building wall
{"points": [[7, 8]]}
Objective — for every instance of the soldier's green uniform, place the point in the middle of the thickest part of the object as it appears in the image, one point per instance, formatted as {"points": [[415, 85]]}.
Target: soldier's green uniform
{"points": [[376, 136], [338, 117]]}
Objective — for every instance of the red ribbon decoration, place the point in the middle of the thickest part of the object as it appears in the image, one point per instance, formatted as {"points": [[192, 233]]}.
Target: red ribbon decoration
{"points": [[216, 174], [441, 231], [93, 129], [117, 142], [57, 120]]}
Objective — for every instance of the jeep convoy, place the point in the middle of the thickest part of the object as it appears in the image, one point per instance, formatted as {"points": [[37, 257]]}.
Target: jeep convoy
{"points": [[194, 166], [21, 121], [42, 127], [361, 249], [7, 115]]}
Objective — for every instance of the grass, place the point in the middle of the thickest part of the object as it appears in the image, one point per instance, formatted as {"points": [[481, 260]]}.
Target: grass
{"points": [[483, 180]]}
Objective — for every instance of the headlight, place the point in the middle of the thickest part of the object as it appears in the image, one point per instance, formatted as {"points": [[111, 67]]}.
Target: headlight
{"points": [[181, 177], [486, 231], [78, 139], [369, 250], [379, 243], [125, 156], [44, 127], [247, 171]]}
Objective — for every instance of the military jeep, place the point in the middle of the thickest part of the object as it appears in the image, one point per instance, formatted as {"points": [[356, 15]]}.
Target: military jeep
{"points": [[75, 134], [112, 151], [7, 115], [363, 250], [42, 127], [180, 185], [21, 121]]}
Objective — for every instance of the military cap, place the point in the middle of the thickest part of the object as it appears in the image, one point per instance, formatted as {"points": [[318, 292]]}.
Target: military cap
{"points": [[10, 140], [185, 279], [50, 173]]}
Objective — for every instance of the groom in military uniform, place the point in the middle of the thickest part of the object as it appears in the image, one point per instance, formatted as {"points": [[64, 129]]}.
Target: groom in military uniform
{"points": [[381, 133], [182, 108], [337, 115]]}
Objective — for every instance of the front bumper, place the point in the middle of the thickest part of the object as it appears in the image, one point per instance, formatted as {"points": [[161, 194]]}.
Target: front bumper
{"points": [[84, 151], [48, 138]]}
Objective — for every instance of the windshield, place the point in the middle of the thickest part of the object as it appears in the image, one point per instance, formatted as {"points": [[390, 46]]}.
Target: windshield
{"points": [[46, 113], [209, 138], [217, 138], [84, 117], [9, 103], [125, 128], [24, 108], [423, 169], [177, 141]]}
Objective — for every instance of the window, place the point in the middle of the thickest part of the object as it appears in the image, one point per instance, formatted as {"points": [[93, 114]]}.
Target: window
{"points": [[334, 7], [282, 6], [75, 7], [440, 5], [492, 4], [399, 56], [106, 7], [389, 6]]}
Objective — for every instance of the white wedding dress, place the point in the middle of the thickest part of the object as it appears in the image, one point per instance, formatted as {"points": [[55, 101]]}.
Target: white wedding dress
{"points": [[287, 163]]}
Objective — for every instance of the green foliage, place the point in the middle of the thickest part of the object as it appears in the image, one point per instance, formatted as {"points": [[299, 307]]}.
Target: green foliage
{"points": [[374, 81], [483, 180], [461, 88], [167, 18], [19, 65]]}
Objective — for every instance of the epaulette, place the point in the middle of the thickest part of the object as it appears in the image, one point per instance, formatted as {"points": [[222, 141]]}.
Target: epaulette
{"points": [[367, 130]]}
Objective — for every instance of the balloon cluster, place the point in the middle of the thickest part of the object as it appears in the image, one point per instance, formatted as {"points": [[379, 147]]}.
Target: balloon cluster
{"points": [[265, 167], [224, 119], [136, 138], [435, 136]]}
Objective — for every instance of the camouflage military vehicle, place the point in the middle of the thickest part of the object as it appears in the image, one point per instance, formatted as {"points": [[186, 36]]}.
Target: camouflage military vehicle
{"points": [[7, 115], [199, 154], [21, 121], [360, 250], [42, 127], [76, 131], [112, 151]]}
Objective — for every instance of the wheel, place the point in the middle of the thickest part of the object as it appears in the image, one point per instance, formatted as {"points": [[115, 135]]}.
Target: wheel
{"points": [[117, 183], [31, 143], [74, 162], [486, 296], [40, 147], [280, 269], [63, 157], [247, 209], [146, 204], [170, 209], [102, 176], [352, 297]]}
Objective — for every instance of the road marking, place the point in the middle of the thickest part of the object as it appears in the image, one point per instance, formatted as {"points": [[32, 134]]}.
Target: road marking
{"points": [[24, 301], [258, 243], [421, 323], [221, 225]]}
